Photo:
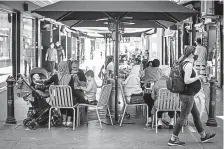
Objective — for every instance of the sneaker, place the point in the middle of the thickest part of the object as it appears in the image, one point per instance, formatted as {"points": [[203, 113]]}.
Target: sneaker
{"points": [[69, 124], [208, 137], [159, 124], [171, 123], [149, 124], [176, 142], [64, 123]]}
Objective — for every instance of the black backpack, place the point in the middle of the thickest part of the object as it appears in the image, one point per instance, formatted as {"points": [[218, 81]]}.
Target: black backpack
{"points": [[175, 82]]}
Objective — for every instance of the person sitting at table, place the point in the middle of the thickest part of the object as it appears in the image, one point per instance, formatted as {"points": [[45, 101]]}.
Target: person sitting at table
{"points": [[91, 88], [155, 94], [79, 79], [132, 84], [152, 73], [137, 66], [63, 77]]}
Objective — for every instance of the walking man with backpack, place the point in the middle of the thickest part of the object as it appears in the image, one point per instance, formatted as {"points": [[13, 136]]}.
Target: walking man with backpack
{"points": [[191, 85]]}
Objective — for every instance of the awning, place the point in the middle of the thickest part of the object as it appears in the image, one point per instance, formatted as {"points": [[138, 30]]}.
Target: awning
{"points": [[131, 10]]}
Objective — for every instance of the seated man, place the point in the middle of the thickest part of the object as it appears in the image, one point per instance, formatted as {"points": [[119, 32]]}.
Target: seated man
{"points": [[155, 93], [79, 80]]}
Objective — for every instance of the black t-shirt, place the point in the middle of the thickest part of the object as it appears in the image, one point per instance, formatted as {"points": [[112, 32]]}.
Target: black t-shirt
{"points": [[81, 75], [192, 88]]}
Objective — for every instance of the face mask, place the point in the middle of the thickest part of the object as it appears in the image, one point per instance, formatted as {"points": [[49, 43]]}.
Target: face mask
{"points": [[195, 57]]}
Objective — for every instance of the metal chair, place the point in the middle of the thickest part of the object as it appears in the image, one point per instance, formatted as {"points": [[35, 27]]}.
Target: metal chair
{"points": [[61, 97], [130, 105], [167, 101], [102, 103]]}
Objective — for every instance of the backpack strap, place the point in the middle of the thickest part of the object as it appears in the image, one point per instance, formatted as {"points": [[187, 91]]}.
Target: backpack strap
{"points": [[184, 64]]}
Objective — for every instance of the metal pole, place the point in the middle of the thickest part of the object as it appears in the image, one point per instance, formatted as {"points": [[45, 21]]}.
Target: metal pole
{"points": [[10, 101], [116, 57], [105, 51], [212, 104]]}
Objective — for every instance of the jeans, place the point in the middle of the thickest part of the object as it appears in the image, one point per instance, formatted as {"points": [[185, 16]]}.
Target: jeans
{"points": [[150, 102], [52, 66], [170, 113], [188, 105], [29, 65]]}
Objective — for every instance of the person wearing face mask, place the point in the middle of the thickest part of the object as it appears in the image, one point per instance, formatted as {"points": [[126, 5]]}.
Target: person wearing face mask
{"points": [[192, 87], [51, 57], [201, 57]]}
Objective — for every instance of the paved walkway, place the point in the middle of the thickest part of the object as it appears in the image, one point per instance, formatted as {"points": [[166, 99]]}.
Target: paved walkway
{"points": [[134, 136]]}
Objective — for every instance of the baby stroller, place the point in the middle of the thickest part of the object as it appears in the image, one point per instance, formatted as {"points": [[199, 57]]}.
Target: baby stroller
{"points": [[38, 114]]}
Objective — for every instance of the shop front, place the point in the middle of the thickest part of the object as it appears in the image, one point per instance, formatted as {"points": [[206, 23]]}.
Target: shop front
{"points": [[5, 44], [28, 50]]}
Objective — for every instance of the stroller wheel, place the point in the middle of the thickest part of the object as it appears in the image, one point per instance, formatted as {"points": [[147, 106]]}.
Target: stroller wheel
{"points": [[26, 122], [32, 125], [127, 116]]}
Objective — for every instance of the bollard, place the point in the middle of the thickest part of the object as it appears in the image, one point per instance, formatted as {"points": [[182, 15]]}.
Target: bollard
{"points": [[212, 104], [10, 101]]}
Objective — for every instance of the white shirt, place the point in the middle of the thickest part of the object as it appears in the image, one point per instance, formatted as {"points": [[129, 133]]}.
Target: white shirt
{"points": [[202, 55], [110, 66]]}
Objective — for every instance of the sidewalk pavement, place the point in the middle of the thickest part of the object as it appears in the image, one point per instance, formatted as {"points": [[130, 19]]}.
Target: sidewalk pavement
{"points": [[134, 136]]}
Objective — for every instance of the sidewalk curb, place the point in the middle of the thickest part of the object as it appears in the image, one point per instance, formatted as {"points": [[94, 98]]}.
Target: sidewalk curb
{"points": [[2, 89]]}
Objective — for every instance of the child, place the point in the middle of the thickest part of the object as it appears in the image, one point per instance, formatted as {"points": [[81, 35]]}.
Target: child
{"points": [[91, 88], [38, 83]]}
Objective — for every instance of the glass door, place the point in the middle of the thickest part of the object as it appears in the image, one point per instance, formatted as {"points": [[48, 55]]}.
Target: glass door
{"points": [[28, 54], [5, 45]]}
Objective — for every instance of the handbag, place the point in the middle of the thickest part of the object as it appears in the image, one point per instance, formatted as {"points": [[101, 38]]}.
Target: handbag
{"points": [[137, 99]]}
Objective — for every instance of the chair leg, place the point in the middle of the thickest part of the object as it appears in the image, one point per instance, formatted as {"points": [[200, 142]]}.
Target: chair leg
{"points": [[147, 114], [175, 117], [123, 115], [49, 122], [111, 121], [143, 110], [77, 118], [97, 112], [87, 120], [73, 119], [156, 121]]}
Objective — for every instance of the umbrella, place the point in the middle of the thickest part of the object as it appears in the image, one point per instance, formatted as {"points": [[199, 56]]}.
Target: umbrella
{"points": [[127, 24], [129, 10], [115, 13]]}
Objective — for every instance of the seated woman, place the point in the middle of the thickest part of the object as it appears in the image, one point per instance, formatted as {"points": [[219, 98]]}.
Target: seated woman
{"points": [[91, 88], [132, 84], [155, 93], [63, 77], [137, 66]]}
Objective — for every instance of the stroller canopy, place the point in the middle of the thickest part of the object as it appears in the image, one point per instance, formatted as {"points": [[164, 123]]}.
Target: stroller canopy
{"points": [[38, 70]]}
